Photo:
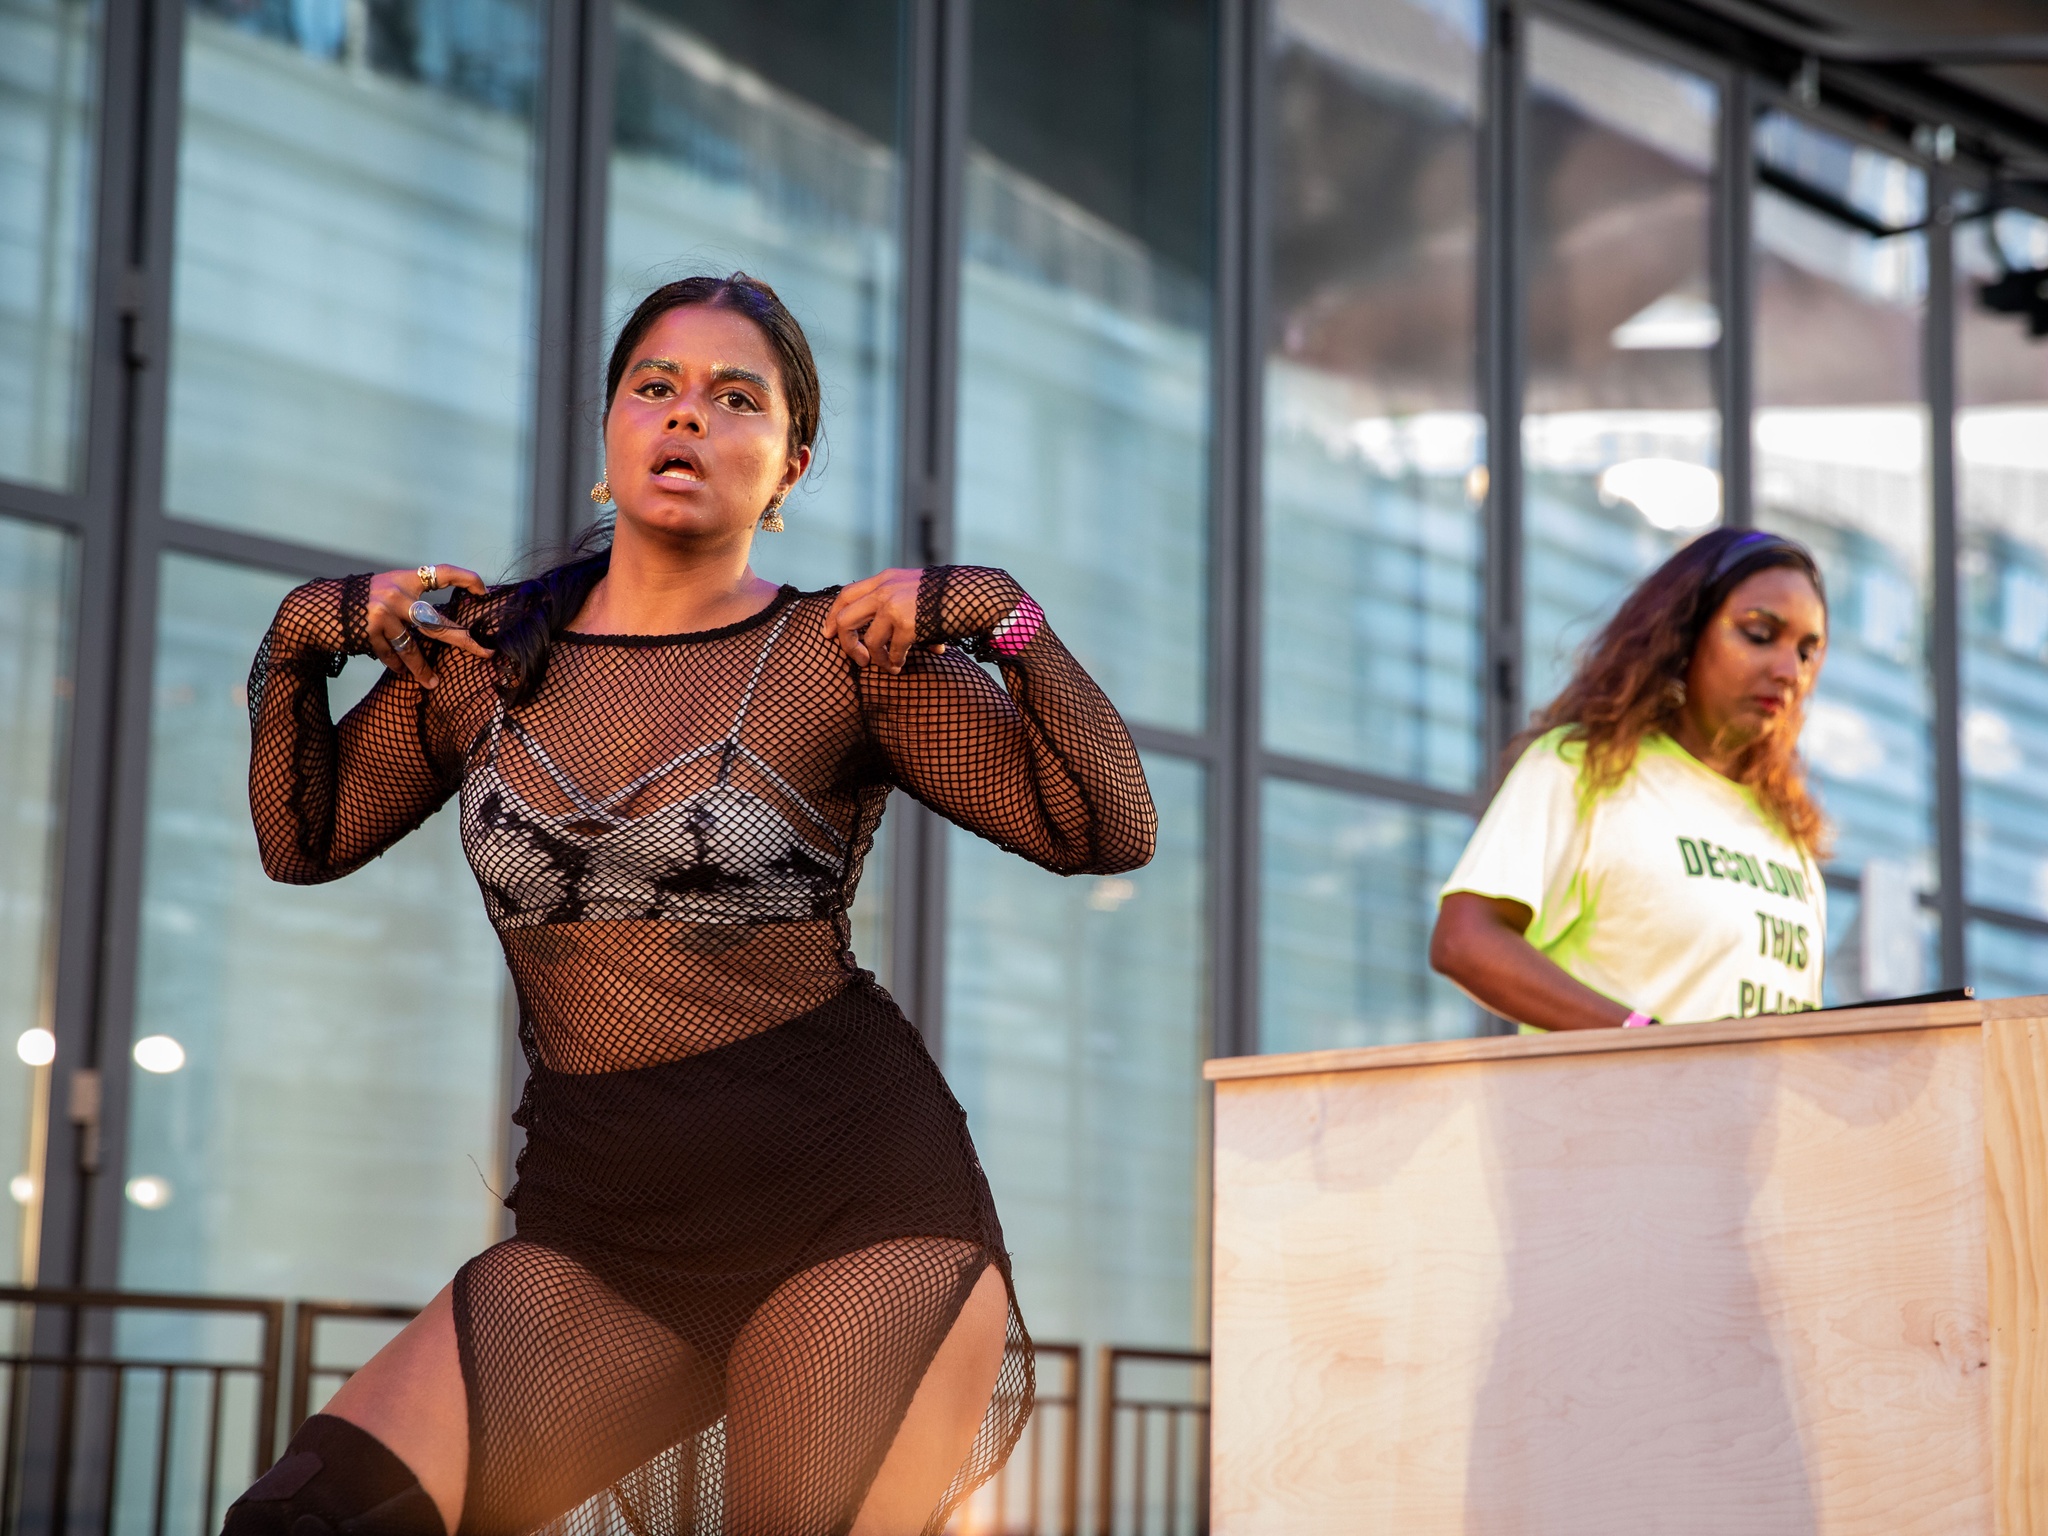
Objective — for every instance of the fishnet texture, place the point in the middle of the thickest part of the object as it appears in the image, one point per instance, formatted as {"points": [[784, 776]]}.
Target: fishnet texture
{"points": [[748, 1208]]}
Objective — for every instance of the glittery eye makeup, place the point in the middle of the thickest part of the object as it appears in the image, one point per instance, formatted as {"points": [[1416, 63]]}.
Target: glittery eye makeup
{"points": [[723, 375]]}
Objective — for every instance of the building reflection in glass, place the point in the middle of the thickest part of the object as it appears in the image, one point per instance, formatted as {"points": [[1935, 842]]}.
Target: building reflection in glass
{"points": [[764, 140], [1348, 899], [1840, 438], [1373, 439], [352, 281], [1621, 428], [2002, 533], [1084, 333], [1076, 1012], [1075, 1032], [37, 576], [336, 1126], [49, 74]]}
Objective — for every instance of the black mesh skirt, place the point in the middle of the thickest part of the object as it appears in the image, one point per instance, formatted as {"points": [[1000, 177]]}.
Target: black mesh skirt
{"points": [[729, 1276]]}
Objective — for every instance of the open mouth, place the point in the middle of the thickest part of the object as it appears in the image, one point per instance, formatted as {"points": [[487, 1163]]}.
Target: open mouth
{"points": [[678, 467]]}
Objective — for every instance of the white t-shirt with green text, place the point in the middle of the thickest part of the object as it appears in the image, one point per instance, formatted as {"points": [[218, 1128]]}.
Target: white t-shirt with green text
{"points": [[1672, 893]]}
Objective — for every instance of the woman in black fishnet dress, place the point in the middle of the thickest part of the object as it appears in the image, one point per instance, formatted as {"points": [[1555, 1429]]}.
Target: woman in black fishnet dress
{"points": [[758, 1287]]}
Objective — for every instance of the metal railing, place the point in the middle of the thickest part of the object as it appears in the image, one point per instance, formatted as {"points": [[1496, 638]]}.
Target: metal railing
{"points": [[308, 1367], [1152, 1469], [147, 1413], [1038, 1490], [101, 1430]]}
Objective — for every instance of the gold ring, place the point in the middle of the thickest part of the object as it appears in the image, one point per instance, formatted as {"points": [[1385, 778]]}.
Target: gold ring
{"points": [[429, 576]]}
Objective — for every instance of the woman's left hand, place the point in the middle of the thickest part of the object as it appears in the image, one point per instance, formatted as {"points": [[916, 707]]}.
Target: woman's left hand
{"points": [[876, 619]]}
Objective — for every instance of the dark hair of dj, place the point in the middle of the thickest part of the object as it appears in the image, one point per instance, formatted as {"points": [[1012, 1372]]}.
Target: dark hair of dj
{"points": [[1621, 689]]}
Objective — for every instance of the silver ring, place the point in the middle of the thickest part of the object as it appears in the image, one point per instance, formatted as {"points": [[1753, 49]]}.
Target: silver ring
{"points": [[426, 615], [429, 576], [402, 641]]}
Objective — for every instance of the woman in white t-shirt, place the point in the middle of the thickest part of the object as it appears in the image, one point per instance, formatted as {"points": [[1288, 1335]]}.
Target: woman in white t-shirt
{"points": [[1651, 855]]}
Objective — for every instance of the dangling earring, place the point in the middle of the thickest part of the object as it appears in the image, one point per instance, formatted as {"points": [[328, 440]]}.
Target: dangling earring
{"points": [[771, 520], [1674, 694], [601, 493]]}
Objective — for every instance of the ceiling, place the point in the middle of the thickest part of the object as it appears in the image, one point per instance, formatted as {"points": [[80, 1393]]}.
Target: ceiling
{"points": [[2022, 87], [2014, 94]]}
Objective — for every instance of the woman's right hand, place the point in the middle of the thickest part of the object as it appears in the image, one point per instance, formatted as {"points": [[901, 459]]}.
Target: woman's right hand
{"points": [[392, 594]]}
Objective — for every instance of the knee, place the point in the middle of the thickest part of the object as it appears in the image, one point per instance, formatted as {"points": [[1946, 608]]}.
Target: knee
{"points": [[335, 1480]]}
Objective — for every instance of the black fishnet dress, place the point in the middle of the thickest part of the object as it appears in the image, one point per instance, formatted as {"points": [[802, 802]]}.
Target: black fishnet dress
{"points": [[748, 1210]]}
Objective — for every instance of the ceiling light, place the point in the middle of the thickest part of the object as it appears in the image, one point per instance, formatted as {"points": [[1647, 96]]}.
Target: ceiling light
{"points": [[159, 1053], [1678, 322], [149, 1192]]}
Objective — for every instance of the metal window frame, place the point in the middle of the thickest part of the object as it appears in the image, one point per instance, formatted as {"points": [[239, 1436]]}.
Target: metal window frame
{"points": [[1503, 182], [1236, 514], [938, 56], [1944, 613], [938, 82], [122, 531], [1942, 616]]}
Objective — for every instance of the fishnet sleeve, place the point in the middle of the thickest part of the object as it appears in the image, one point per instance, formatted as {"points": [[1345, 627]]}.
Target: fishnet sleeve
{"points": [[327, 798], [1041, 766]]}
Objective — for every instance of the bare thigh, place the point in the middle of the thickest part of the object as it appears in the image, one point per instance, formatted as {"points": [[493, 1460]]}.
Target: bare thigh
{"points": [[944, 1417], [410, 1397], [579, 1386]]}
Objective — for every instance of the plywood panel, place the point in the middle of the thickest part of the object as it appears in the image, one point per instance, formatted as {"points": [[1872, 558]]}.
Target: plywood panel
{"points": [[1601, 1042], [1734, 1289], [2016, 1193], [1359, 1277]]}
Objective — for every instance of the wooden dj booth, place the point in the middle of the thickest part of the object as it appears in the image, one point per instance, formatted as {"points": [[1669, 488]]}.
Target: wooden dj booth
{"points": [[1769, 1277]]}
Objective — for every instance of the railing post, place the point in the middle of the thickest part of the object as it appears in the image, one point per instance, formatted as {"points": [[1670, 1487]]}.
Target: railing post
{"points": [[1070, 1473], [1105, 1465], [304, 1316], [83, 1408], [273, 1348]]}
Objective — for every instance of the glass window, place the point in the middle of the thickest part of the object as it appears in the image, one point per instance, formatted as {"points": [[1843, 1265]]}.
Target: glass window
{"points": [[1347, 901], [2002, 528], [1841, 464], [317, 1101], [1076, 1025], [1374, 444], [36, 576], [49, 72], [352, 284], [1620, 428], [1085, 312], [764, 138], [2008, 962]]}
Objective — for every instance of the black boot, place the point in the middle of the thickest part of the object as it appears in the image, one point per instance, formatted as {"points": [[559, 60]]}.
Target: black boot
{"points": [[335, 1480]]}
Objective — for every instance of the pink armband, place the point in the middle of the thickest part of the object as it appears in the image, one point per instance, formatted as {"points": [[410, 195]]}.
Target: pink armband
{"points": [[1637, 1020], [1018, 629]]}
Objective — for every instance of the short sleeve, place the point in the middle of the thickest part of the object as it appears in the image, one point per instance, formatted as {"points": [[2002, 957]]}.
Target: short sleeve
{"points": [[1528, 844]]}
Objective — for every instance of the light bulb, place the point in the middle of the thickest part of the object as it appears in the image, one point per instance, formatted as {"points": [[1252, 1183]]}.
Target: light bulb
{"points": [[37, 1047], [159, 1053], [149, 1192]]}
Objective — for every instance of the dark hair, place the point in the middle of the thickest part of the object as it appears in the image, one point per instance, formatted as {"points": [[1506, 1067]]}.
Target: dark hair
{"points": [[542, 606], [1621, 689]]}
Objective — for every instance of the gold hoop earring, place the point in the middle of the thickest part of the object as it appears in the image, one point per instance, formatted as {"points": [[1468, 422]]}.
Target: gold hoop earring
{"points": [[771, 520], [601, 493]]}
